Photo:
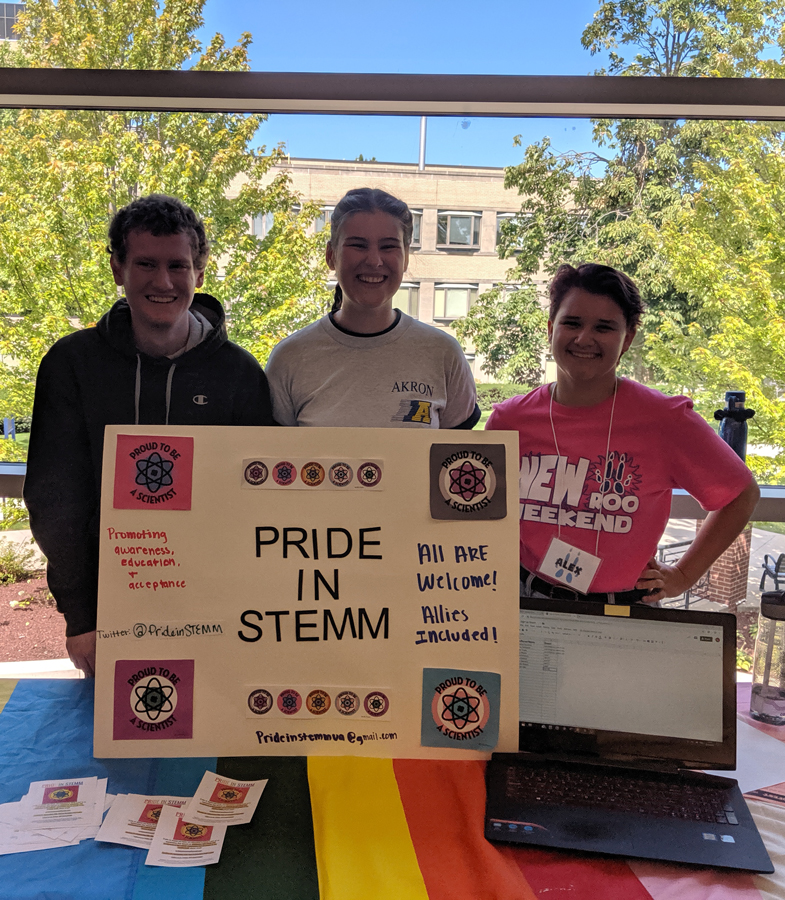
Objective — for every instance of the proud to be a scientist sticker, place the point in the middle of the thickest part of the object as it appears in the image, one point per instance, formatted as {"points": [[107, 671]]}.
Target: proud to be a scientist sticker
{"points": [[468, 481], [153, 699], [153, 472], [460, 709]]}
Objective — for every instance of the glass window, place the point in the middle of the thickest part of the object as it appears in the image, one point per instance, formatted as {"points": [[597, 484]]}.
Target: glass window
{"points": [[451, 301], [458, 229], [501, 218], [8, 14], [407, 299], [261, 224], [417, 225], [323, 218]]}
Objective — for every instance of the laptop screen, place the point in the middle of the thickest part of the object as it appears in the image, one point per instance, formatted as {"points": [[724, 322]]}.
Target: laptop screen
{"points": [[627, 682]]}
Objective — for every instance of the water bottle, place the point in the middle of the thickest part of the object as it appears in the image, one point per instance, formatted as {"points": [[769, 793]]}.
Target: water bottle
{"points": [[733, 422], [767, 702]]}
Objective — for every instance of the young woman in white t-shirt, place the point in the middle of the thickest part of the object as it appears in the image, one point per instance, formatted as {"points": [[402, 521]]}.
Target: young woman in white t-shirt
{"points": [[367, 363]]}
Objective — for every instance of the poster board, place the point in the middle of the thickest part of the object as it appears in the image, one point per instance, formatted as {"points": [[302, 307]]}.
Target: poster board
{"points": [[284, 591]]}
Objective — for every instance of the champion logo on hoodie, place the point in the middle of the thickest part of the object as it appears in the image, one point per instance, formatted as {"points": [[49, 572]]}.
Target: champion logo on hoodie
{"points": [[200, 400]]}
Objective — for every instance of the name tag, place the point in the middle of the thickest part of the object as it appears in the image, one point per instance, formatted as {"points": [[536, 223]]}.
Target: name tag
{"points": [[570, 566]]}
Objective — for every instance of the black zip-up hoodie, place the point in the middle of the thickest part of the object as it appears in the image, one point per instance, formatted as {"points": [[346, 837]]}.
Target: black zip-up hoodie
{"points": [[97, 377]]}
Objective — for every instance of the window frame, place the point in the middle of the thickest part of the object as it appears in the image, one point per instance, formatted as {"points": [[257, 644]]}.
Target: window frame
{"points": [[476, 218], [266, 228], [410, 286], [472, 292], [416, 244], [9, 21]]}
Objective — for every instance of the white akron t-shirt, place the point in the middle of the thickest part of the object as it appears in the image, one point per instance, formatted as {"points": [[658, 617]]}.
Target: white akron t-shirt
{"points": [[412, 375]]}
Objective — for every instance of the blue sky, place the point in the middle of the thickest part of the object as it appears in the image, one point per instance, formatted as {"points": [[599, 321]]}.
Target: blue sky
{"points": [[483, 37]]}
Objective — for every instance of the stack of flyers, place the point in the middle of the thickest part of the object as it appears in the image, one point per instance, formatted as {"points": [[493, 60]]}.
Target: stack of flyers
{"points": [[175, 831], [54, 814], [133, 818], [177, 842], [194, 835], [220, 799]]}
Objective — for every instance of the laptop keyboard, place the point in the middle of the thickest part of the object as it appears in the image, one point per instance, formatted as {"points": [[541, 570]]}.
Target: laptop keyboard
{"points": [[646, 793]]}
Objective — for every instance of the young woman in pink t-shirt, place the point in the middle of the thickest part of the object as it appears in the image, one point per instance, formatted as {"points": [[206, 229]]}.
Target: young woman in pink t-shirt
{"points": [[600, 456]]}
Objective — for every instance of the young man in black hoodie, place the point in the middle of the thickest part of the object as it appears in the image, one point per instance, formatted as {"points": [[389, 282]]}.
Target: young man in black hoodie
{"points": [[160, 356]]}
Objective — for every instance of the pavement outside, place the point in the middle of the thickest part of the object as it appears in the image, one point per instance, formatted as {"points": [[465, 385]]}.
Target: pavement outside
{"points": [[763, 542]]}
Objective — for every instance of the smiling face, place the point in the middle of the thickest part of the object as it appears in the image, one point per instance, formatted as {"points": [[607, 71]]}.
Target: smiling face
{"points": [[588, 336], [369, 259], [160, 278]]}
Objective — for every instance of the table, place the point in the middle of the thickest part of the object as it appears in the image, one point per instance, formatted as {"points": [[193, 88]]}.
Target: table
{"points": [[330, 829]]}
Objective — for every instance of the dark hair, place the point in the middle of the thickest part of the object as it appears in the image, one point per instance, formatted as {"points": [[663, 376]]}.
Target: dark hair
{"points": [[160, 215], [368, 200], [602, 280]]}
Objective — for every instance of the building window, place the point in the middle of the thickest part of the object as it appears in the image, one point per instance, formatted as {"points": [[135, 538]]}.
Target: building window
{"points": [[8, 15], [501, 218], [407, 299], [517, 218], [323, 219], [458, 229], [451, 301], [261, 224], [416, 227]]}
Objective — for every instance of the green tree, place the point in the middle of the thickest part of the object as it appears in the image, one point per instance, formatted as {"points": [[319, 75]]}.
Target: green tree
{"points": [[726, 245], [509, 328], [63, 174], [608, 206]]}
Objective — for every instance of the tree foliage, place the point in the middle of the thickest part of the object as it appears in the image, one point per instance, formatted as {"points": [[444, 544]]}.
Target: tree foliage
{"points": [[508, 328], [726, 245], [63, 174], [612, 205]]}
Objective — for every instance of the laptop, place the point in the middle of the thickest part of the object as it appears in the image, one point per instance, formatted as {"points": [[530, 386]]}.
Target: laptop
{"points": [[619, 705]]}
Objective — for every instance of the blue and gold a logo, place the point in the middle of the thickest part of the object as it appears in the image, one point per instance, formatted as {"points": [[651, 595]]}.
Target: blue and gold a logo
{"points": [[414, 411]]}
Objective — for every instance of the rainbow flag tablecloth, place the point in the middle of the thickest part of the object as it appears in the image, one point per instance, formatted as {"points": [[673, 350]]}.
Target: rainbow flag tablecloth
{"points": [[326, 829]]}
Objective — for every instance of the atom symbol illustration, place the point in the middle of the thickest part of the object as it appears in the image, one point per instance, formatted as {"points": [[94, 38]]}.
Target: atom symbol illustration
{"points": [[467, 481], [318, 702], [154, 814], [229, 795], [369, 474], [153, 699], [312, 474], [193, 831], [260, 702], [284, 473], [256, 473], [460, 708], [340, 474], [348, 702], [289, 702], [153, 472], [376, 704], [61, 794]]}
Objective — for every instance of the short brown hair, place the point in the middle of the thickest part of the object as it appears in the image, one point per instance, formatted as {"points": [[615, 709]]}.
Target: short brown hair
{"points": [[160, 215], [604, 281]]}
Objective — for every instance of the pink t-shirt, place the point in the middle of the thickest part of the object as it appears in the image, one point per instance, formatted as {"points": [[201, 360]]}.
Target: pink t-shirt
{"points": [[657, 443]]}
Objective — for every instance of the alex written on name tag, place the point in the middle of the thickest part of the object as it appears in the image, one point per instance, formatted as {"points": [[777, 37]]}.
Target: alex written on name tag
{"points": [[570, 566]]}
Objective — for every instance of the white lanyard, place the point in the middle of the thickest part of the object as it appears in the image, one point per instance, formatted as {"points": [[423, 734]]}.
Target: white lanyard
{"points": [[605, 480]]}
